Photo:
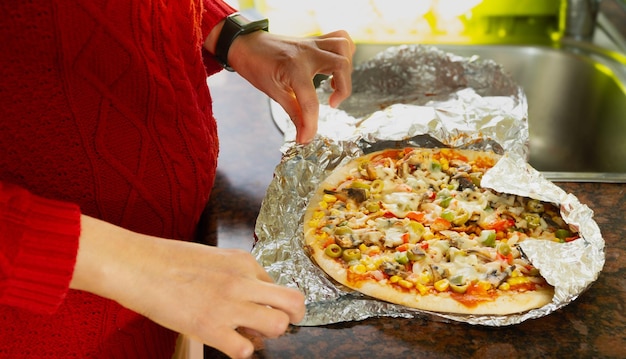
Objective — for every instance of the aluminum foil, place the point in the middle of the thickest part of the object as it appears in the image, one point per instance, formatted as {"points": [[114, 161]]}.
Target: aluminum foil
{"points": [[418, 96], [413, 90]]}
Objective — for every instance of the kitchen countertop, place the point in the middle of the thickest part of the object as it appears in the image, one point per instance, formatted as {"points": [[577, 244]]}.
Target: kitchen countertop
{"points": [[594, 325]]}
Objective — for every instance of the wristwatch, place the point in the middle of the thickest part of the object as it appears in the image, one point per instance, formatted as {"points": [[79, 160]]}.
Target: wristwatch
{"points": [[235, 25]]}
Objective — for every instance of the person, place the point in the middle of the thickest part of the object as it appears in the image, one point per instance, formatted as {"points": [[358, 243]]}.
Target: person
{"points": [[108, 152]]}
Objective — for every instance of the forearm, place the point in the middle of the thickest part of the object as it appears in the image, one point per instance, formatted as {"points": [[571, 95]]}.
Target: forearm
{"points": [[213, 21], [214, 290], [127, 267], [211, 39], [105, 253]]}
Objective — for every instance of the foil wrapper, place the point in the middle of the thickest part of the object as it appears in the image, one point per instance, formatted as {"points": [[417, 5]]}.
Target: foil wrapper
{"points": [[412, 90], [422, 97]]}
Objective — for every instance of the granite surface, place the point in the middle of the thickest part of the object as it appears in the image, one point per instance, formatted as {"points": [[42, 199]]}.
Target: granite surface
{"points": [[592, 326]]}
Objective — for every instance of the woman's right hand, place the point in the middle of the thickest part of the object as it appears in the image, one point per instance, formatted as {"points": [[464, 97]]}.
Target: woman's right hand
{"points": [[283, 67], [204, 292]]}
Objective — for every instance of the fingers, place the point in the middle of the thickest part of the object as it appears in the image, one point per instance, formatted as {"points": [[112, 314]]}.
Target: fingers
{"points": [[259, 288], [342, 86], [288, 300], [233, 344], [336, 60], [286, 74], [341, 45], [267, 308], [349, 45], [242, 341], [308, 106], [267, 316], [300, 102]]}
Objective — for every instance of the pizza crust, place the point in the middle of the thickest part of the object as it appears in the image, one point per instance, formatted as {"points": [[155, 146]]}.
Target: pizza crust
{"points": [[506, 302]]}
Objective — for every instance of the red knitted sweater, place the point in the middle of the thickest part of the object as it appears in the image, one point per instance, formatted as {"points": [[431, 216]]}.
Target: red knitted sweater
{"points": [[104, 110]]}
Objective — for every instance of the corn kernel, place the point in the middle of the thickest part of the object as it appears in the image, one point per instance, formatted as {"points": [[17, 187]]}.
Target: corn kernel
{"points": [[484, 285], [504, 286], [425, 278], [321, 236], [363, 248], [421, 288], [329, 198], [442, 285], [405, 284], [394, 279], [445, 165], [323, 205], [428, 235], [359, 269], [518, 280]]}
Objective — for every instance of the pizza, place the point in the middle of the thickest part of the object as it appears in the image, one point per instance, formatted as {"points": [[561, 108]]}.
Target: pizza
{"points": [[414, 227]]}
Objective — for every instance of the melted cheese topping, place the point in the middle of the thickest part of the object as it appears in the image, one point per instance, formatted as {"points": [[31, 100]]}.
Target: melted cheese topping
{"points": [[420, 221]]}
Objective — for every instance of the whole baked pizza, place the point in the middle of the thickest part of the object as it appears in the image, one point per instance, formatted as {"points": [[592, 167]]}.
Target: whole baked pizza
{"points": [[414, 227]]}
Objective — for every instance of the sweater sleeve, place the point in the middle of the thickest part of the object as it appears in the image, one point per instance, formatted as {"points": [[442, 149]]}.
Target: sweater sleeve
{"points": [[214, 12], [38, 248]]}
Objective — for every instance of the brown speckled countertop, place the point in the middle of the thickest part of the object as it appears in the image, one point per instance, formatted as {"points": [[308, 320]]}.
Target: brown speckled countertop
{"points": [[593, 326]]}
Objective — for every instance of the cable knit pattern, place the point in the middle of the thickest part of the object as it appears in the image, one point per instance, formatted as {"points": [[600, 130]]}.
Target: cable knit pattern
{"points": [[104, 110]]}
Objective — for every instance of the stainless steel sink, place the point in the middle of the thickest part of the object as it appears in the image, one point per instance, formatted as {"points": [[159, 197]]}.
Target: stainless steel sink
{"points": [[576, 104]]}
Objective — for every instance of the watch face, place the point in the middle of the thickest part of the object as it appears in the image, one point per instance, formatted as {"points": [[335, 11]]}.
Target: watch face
{"points": [[239, 20]]}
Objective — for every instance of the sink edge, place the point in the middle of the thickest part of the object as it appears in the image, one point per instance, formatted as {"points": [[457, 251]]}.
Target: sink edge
{"points": [[602, 177]]}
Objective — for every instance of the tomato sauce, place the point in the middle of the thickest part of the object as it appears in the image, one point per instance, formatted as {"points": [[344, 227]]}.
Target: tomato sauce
{"points": [[452, 155], [356, 278], [474, 295], [524, 287], [484, 162], [472, 300]]}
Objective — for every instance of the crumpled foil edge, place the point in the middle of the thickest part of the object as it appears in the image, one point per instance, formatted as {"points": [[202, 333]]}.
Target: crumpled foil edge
{"points": [[570, 267]]}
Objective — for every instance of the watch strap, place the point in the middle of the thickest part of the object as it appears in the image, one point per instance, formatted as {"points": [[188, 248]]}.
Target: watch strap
{"points": [[235, 25]]}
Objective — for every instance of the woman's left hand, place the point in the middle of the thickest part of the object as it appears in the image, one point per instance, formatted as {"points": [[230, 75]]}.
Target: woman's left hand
{"points": [[283, 68]]}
